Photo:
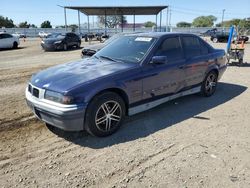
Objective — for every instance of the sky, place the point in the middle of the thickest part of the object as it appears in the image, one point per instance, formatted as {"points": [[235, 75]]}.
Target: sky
{"points": [[36, 11]]}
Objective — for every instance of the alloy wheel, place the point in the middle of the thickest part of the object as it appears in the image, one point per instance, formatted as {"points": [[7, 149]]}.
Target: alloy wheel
{"points": [[108, 116], [211, 83]]}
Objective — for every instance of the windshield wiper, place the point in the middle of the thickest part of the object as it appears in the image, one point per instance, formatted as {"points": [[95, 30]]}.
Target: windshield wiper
{"points": [[109, 58]]}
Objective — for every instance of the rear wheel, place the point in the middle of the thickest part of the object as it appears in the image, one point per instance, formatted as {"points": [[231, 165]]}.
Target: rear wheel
{"points": [[104, 114], [209, 84], [65, 47], [15, 45], [78, 45], [215, 40]]}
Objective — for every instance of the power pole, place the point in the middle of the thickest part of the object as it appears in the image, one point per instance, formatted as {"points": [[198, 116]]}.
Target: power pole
{"points": [[167, 19], [222, 19], [170, 13]]}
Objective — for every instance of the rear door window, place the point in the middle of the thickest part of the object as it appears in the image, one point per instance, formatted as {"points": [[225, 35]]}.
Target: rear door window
{"points": [[171, 48], [191, 46], [204, 48]]}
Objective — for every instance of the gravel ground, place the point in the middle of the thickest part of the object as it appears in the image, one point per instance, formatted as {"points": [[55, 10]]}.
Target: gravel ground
{"points": [[189, 142]]}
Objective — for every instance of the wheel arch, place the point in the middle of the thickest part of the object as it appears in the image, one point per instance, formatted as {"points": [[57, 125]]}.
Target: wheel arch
{"points": [[116, 90]]}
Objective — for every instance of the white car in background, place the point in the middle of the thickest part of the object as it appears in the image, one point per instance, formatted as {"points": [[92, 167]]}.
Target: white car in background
{"points": [[42, 34], [8, 41]]}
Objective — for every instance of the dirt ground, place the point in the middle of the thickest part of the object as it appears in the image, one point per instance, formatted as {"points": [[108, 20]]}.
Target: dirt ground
{"points": [[189, 142]]}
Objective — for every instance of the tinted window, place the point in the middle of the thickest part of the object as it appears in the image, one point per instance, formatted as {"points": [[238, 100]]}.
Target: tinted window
{"points": [[191, 46], [204, 48], [71, 35], [4, 36], [171, 48]]}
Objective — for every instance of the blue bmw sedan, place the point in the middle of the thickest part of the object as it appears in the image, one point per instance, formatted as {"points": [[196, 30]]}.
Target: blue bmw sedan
{"points": [[133, 74]]}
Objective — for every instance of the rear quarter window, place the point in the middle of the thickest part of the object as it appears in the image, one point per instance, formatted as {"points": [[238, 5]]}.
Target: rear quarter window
{"points": [[204, 48]]}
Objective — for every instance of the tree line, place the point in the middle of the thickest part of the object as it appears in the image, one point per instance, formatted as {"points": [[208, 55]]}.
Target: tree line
{"points": [[208, 21], [8, 23], [114, 21]]}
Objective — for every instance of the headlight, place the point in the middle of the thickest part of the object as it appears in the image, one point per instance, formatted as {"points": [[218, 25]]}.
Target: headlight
{"points": [[58, 97], [58, 42]]}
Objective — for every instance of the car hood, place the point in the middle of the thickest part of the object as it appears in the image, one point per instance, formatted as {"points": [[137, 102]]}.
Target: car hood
{"points": [[95, 47], [62, 78]]}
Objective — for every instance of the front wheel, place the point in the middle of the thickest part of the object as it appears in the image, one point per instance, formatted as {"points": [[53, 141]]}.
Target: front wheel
{"points": [[104, 114], [15, 45], [209, 84]]}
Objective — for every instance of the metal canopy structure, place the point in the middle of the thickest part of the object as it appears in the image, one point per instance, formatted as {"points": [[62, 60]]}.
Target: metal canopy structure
{"points": [[130, 10], [111, 10]]}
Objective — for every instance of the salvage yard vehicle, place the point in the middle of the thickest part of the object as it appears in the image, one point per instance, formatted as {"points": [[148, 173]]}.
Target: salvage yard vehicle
{"points": [[135, 73], [223, 37], [43, 34], [19, 35], [8, 41], [92, 49], [58, 41]]}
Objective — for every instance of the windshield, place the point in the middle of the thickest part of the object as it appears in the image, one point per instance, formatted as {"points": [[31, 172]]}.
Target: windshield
{"points": [[55, 35], [127, 48], [113, 38]]}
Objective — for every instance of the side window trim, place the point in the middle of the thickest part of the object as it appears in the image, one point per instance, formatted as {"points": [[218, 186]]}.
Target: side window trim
{"points": [[182, 56], [185, 52]]}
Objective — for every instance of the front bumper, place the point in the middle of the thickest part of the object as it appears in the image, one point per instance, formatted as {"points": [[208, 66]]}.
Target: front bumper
{"points": [[52, 46], [66, 117]]}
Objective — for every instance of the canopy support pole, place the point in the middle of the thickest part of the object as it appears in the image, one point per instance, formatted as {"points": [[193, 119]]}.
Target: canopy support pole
{"points": [[79, 25], [134, 24], [160, 20], [105, 20], [156, 22], [88, 24], [122, 22], [65, 19]]}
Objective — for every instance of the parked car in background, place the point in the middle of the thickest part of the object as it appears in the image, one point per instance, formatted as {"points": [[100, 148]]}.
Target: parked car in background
{"points": [[58, 41], [8, 41], [19, 35], [209, 32], [223, 37], [92, 49], [43, 34], [133, 74]]}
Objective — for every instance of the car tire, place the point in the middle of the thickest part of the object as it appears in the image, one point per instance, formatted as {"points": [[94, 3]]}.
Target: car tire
{"points": [[209, 84], [78, 45], [215, 40], [104, 114], [15, 45], [65, 47]]}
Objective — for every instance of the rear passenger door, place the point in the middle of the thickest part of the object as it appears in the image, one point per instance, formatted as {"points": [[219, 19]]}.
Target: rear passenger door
{"points": [[196, 59], [167, 78]]}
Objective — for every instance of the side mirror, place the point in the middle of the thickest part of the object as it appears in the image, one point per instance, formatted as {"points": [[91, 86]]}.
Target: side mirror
{"points": [[159, 59]]}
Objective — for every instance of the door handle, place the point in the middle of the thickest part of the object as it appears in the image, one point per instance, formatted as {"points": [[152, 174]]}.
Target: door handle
{"points": [[182, 66]]}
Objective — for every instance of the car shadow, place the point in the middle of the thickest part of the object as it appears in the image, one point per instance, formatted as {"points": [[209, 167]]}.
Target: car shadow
{"points": [[68, 50], [161, 117], [236, 63], [6, 49]]}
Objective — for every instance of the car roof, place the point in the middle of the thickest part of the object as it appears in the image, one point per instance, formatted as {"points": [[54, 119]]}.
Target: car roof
{"points": [[159, 34]]}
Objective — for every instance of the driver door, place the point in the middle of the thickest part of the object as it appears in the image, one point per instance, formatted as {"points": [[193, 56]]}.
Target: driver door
{"points": [[167, 78]]}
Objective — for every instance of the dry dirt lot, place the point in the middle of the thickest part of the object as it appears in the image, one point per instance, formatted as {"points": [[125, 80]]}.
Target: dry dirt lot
{"points": [[189, 142]]}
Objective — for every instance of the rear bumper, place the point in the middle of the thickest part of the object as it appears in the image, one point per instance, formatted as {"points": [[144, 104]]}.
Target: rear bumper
{"points": [[66, 117]]}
